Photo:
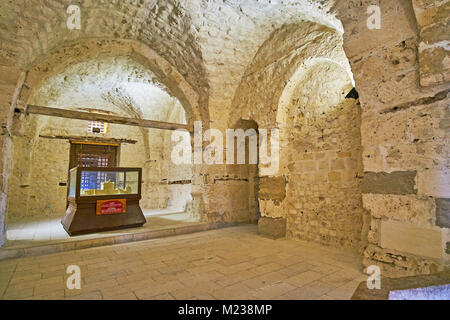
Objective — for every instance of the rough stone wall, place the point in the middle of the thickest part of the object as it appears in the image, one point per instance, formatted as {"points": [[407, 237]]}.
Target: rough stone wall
{"points": [[433, 48], [297, 82], [256, 99], [404, 130], [230, 190], [324, 171], [175, 178], [230, 34], [10, 88], [34, 28], [275, 67], [320, 161]]}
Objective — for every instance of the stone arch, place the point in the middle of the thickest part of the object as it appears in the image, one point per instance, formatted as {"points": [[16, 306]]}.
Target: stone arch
{"points": [[321, 155], [296, 77], [81, 51], [265, 94], [305, 72], [61, 58], [250, 170], [265, 79]]}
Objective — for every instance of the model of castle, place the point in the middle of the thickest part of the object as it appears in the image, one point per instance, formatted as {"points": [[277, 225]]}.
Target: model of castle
{"points": [[107, 188]]}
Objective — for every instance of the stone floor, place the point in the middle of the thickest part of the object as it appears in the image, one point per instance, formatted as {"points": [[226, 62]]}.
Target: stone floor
{"points": [[41, 230], [229, 263]]}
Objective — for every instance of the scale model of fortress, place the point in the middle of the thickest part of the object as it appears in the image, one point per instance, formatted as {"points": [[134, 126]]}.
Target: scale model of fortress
{"points": [[107, 189]]}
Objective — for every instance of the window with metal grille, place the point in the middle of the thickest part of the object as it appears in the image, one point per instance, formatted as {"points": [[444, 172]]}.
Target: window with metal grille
{"points": [[92, 180], [93, 160]]}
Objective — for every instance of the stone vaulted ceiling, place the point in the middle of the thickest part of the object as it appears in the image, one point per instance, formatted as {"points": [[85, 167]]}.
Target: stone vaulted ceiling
{"points": [[210, 43], [117, 85]]}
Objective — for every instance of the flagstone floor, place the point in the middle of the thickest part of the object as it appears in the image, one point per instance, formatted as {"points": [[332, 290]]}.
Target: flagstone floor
{"points": [[229, 263], [41, 230]]}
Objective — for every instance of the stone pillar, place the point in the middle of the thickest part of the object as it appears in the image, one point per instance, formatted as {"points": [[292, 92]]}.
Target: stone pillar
{"points": [[10, 89], [402, 78], [272, 191]]}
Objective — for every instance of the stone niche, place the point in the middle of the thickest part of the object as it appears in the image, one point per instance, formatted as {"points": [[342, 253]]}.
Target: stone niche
{"points": [[324, 167]]}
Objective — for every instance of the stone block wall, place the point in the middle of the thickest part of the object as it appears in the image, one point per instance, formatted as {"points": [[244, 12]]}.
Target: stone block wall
{"points": [[433, 19], [324, 169], [10, 85], [400, 73], [299, 87]]}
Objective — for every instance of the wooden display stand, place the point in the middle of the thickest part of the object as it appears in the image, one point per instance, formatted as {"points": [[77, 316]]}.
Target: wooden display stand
{"points": [[110, 209]]}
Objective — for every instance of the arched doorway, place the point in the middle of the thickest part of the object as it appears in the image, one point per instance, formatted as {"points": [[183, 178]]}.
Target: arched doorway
{"points": [[321, 156], [122, 85]]}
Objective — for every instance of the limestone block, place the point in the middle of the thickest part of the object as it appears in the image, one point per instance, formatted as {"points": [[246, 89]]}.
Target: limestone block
{"points": [[432, 154], [384, 128], [434, 57], [270, 209], [443, 212], [307, 166], [398, 182], [394, 69], [372, 158], [395, 25], [227, 196], [434, 65], [428, 12], [272, 188], [405, 237], [273, 228], [334, 176], [337, 164], [434, 183], [399, 264], [446, 245], [406, 208]]}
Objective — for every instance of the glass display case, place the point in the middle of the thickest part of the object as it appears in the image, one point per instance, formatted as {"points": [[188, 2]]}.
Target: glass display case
{"points": [[103, 198], [104, 182]]}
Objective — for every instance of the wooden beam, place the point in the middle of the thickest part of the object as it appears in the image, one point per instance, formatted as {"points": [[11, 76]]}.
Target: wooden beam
{"points": [[86, 139], [55, 112]]}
